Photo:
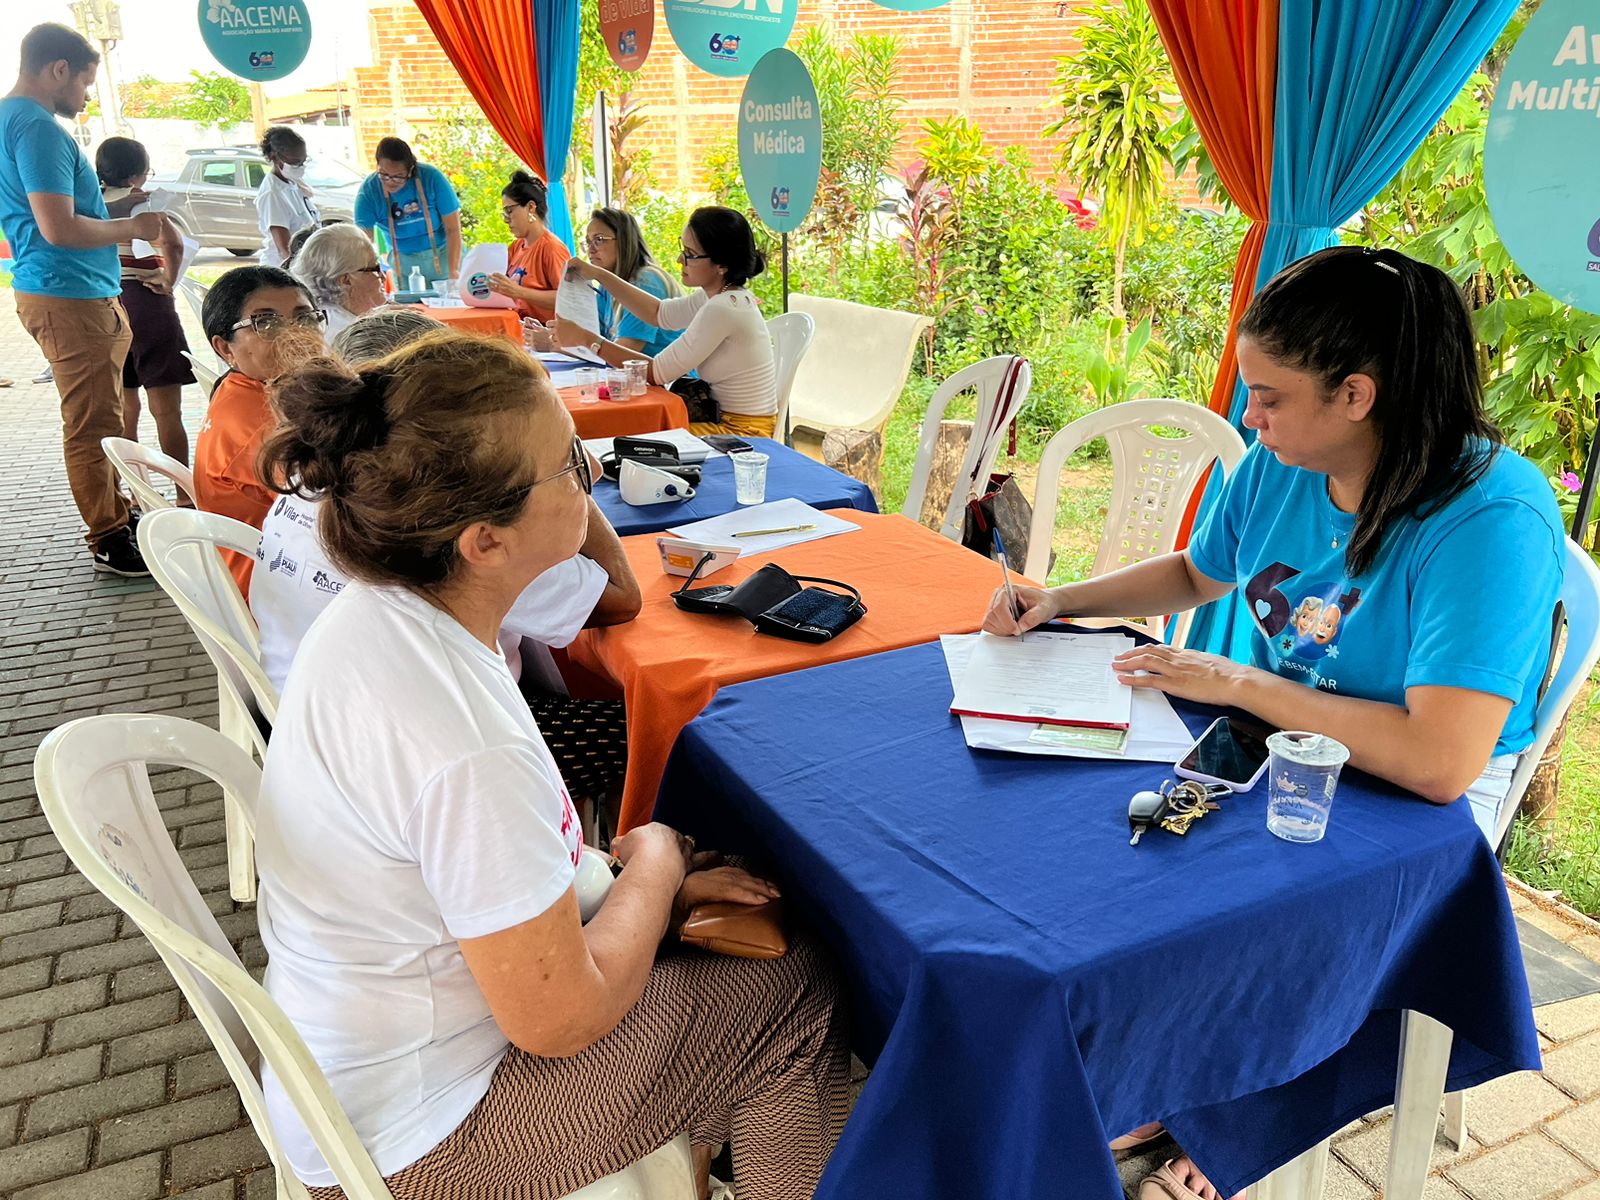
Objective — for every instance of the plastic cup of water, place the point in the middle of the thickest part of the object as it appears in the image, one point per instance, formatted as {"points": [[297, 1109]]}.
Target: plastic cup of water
{"points": [[617, 381], [638, 376], [1302, 775], [749, 477], [588, 381]]}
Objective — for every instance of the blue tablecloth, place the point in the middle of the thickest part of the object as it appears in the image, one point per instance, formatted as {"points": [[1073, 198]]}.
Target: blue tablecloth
{"points": [[790, 475], [1027, 985]]}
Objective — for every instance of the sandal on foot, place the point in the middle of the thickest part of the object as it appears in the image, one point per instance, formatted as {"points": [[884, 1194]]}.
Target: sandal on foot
{"points": [[1131, 1144]]}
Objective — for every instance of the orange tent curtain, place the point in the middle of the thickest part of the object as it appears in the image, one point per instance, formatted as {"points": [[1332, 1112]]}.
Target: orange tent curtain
{"points": [[491, 45]]}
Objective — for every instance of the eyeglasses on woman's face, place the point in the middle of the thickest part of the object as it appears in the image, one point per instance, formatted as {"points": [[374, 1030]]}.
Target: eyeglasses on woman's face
{"points": [[374, 269], [577, 464], [687, 255], [390, 178], [595, 240], [269, 325], [507, 209]]}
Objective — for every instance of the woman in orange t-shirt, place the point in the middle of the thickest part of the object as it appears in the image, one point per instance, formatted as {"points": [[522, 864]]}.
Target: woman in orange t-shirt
{"points": [[536, 257], [244, 313]]}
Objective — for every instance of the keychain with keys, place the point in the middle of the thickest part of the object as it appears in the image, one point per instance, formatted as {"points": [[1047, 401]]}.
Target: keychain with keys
{"points": [[1144, 810]]}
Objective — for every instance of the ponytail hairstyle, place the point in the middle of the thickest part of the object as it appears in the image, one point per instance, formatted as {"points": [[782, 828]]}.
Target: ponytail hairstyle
{"points": [[524, 189], [1348, 310], [408, 450], [728, 241]]}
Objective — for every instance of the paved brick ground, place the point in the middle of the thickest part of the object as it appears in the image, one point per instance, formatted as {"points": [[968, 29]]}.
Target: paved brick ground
{"points": [[108, 1087]]}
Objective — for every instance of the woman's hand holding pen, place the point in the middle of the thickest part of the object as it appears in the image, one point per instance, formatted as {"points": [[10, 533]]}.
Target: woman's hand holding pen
{"points": [[1034, 606]]}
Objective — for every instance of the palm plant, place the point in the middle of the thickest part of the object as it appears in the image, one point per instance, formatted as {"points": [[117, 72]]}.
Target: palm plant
{"points": [[1116, 112]]}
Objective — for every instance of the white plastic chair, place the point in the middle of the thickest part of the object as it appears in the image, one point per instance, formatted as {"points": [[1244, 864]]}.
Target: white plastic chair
{"points": [[139, 466], [193, 291], [791, 338], [1002, 384], [207, 374], [1580, 599], [1152, 479], [180, 546], [857, 375], [94, 787]]}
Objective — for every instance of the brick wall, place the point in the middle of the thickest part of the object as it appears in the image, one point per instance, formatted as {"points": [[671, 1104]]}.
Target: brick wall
{"points": [[992, 60]]}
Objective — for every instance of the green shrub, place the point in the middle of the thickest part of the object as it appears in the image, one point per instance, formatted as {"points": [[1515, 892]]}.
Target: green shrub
{"points": [[463, 145]]}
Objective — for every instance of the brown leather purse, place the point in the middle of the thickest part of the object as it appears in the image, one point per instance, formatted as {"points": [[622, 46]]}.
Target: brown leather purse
{"points": [[741, 930]]}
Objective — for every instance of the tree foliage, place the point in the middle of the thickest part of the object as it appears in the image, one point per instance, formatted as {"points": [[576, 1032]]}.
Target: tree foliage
{"points": [[1117, 119], [478, 163], [209, 99]]}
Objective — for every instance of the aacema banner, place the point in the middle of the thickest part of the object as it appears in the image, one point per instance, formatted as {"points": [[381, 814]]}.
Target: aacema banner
{"points": [[780, 140], [729, 37], [1541, 155], [256, 42]]}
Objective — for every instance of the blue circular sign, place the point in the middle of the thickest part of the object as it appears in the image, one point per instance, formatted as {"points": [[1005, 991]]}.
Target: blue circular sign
{"points": [[256, 41], [1543, 190], [780, 140], [726, 39]]}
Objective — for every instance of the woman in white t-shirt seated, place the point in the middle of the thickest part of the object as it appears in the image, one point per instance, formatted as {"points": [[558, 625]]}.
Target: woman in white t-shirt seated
{"points": [[340, 268], [295, 580], [417, 845], [725, 339]]}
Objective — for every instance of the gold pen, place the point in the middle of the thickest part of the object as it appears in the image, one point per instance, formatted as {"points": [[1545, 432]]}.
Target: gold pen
{"points": [[765, 532]]}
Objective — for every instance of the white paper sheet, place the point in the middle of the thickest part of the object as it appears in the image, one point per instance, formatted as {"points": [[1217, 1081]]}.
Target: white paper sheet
{"points": [[1046, 678], [1155, 732], [690, 448], [775, 514], [578, 302], [143, 249], [159, 200]]}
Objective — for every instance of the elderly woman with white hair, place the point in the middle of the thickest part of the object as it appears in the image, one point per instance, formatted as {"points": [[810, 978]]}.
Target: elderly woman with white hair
{"points": [[339, 266]]}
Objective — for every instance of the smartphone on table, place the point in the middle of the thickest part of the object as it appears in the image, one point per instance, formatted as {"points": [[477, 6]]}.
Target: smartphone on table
{"points": [[727, 443], [1231, 752]]}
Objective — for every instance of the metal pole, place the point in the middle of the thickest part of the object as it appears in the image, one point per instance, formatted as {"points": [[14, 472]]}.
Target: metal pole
{"points": [[786, 278], [1585, 514]]}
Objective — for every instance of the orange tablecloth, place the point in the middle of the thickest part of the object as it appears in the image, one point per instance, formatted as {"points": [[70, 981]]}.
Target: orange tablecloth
{"points": [[669, 663], [502, 321], [652, 412]]}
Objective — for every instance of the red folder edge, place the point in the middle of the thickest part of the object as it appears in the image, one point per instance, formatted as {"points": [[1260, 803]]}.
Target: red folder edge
{"points": [[967, 712]]}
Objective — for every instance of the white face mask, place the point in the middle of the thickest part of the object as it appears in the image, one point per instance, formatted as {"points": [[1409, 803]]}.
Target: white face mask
{"points": [[296, 172]]}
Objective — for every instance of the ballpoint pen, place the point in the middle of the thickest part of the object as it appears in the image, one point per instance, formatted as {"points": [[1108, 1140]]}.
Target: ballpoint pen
{"points": [[1005, 578], [764, 532]]}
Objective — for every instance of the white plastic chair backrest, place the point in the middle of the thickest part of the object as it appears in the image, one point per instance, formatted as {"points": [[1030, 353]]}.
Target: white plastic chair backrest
{"points": [[1580, 596], [94, 786], [859, 370], [194, 292], [138, 465], [180, 547], [1152, 478], [1002, 384], [791, 338], [207, 375]]}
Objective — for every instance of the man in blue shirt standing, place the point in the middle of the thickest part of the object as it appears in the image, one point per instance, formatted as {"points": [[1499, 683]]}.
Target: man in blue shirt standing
{"points": [[66, 277]]}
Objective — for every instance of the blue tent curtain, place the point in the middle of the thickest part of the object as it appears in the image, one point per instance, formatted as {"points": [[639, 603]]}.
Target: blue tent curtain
{"points": [[1359, 85], [556, 27]]}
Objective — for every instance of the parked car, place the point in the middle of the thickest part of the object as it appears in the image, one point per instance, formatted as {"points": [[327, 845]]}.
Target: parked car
{"points": [[215, 195]]}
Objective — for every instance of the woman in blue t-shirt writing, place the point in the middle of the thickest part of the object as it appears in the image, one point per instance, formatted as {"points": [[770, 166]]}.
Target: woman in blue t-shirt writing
{"points": [[1399, 565], [415, 206]]}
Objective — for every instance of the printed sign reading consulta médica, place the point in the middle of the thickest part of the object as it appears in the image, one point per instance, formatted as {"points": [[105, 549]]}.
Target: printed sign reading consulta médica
{"points": [[780, 140]]}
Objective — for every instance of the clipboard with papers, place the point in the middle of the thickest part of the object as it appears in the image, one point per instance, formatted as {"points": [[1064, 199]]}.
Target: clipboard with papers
{"points": [[1046, 678]]}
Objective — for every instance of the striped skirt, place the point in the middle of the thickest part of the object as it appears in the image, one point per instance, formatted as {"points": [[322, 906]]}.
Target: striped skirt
{"points": [[732, 1050]]}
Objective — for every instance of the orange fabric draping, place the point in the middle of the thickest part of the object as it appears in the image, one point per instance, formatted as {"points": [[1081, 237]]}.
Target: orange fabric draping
{"points": [[1225, 56], [500, 322], [652, 412], [669, 663], [491, 45]]}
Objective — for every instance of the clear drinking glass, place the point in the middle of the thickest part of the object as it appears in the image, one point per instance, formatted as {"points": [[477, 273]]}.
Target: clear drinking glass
{"points": [[638, 376], [749, 477], [1301, 778], [588, 381], [617, 381]]}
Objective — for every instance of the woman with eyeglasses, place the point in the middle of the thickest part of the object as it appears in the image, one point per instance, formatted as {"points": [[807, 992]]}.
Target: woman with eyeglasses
{"points": [[414, 204], [725, 339], [418, 846], [283, 200], [244, 315], [535, 257], [615, 242], [340, 268]]}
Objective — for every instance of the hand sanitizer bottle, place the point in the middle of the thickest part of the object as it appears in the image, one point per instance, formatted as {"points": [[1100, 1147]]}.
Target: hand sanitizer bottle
{"points": [[415, 282]]}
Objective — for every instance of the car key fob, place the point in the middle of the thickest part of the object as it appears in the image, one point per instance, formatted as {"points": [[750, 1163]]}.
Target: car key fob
{"points": [[1144, 810]]}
